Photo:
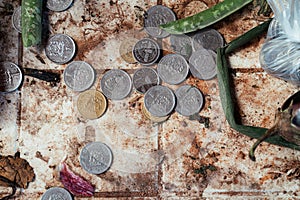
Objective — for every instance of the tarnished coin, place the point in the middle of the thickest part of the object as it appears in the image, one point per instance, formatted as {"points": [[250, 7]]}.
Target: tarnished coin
{"points": [[152, 118], [182, 45], [79, 76], [10, 77], [96, 158], [189, 100], [207, 39], [91, 104], [203, 64], [116, 84], [126, 48], [155, 16], [16, 19], [159, 100], [57, 193], [59, 5], [146, 51], [145, 78], [60, 48], [173, 69]]}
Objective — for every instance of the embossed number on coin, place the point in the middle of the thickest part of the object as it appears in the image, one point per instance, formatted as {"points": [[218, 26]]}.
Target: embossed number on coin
{"points": [[58, 5], [146, 51], [10, 77], [56, 193], [145, 78]]}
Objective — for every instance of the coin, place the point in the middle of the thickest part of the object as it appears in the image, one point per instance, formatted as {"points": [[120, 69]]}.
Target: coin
{"points": [[181, 44], [59, 5], [189, 100], [146, 51], [16, 19], [173, 69], [152, 118], [79, 76], [207, 39], [125, 50], [116, 84], [57, 193], [60, 48], [155, 16], [159, 100], [10, 77], [96, 157], [91, 104], [203, 64], [145, 78]]}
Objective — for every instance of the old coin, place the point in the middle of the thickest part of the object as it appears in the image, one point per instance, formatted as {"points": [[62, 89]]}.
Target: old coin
{"points": [[91, 104], [16, 19], [10, 77], [203, 64], [116, 84], [207, 39], [159, 100], [189, 100], [125, 50], [60, 48], [151, 117], [173, 69], [146, 51], [181, 44], [79, 76], [57, 193], [155, 16], [96, 158], [145, 78], [59, 5]]}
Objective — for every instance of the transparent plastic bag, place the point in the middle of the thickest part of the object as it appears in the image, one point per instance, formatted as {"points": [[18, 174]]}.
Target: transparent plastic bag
{"points": [[280, 54]]}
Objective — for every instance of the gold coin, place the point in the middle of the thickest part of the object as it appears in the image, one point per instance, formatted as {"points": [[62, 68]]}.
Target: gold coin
{"points": [[125, 50], [91, 104], [151, 117]]}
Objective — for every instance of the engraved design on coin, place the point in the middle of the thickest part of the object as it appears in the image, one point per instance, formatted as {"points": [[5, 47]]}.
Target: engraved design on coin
{"points": [[157, 15], [145, 78], [10, 77], [203, 64], [173, 69], [59, 5], [207, 39], [16, 19], [146, 51], [56, 193], [79, 76], [91, 104], [116, 84], [189, 100], [96, 158], [159, 100], [60, 48], [181, 44], [126, 48]]}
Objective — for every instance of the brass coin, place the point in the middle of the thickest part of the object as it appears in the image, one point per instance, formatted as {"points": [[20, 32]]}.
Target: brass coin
{"points": [[125, 50], [91, 104], [153, 118]]}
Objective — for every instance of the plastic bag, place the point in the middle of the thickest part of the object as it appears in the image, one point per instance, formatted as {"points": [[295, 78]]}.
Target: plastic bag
{"points": [[280, 54]]}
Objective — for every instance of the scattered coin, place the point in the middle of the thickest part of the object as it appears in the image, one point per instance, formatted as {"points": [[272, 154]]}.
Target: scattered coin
{"points": [[96, 158], [125, 50], [159, 100], [116, 84], [155, 16], [59, 5], [146, 51], [145, 78], [16, 19], [203, 64], [152, 118], [60, 48], [57, 193], [10, 77], [91, 104], [173, 69], [181, 44], [79, 76], [207, 39], [189, 100]]}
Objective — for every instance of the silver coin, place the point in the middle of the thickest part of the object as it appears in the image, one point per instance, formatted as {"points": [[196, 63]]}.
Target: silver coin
{"points": [[146, 51], [156, 16], [79, 76], [60, 48], [59, 5], [182, 45], [57, 193], [144, 78], [189, 100], [203, 64], [16, 19], [116, 84], [10, 77], [159, 100], [207, 39], [173, 69], [96, 158]]}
